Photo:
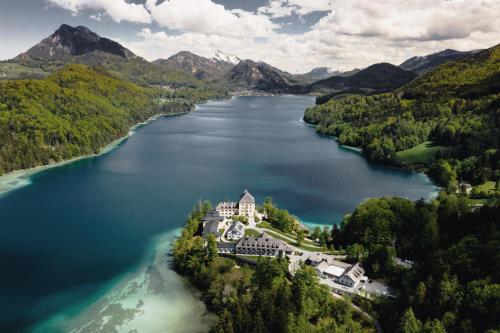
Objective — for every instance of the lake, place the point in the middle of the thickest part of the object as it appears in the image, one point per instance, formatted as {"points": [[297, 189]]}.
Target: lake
{"points": [[83, 247]]}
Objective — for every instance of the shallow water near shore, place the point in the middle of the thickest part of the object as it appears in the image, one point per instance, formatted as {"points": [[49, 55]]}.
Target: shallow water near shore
{"points": [[83, 246], [149, 298]]}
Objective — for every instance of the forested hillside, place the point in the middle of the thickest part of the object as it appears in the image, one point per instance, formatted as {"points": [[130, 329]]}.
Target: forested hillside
{"points": [[75, 111], [454, 283], [456, 105]]}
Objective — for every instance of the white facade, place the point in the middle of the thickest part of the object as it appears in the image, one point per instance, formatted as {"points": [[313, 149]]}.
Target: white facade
{"points": [[340, 273], [244, 207], [346, 281], [352, 276], [236, 231], [226, 209]]}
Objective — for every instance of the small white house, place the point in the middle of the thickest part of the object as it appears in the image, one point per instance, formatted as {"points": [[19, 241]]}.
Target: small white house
{"points": [[464, 188], [236, 231], [352, 276]]}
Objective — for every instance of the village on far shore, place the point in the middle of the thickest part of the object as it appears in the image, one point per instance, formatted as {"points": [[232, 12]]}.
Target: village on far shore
{"points": [[242, 232]]}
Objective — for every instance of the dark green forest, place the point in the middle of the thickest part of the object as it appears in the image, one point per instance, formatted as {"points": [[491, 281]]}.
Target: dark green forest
{"points": [[454, 283], [76, 111], [456, 105], [259, 299]]}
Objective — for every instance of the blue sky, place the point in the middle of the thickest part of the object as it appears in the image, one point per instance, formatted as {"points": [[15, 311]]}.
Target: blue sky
{"points": [[296, 35]]}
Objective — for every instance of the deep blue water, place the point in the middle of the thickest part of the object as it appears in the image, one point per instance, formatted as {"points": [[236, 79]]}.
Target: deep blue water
{"points": [[76, 227]]}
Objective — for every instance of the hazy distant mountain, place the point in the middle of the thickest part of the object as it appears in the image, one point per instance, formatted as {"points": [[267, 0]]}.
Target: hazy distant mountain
{"points": [[70, 41], [203, 68], [421, 65], [321, 73], [248, 74]]}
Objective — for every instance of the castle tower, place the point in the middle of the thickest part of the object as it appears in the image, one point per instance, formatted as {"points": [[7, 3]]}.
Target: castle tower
{"points": [[246, 204]]}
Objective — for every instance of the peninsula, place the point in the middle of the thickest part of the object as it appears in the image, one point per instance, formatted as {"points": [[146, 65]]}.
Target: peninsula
{"points": [[264, 256]]}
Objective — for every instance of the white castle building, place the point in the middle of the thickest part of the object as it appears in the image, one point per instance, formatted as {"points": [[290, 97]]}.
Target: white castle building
{"points": [[244, 207]]}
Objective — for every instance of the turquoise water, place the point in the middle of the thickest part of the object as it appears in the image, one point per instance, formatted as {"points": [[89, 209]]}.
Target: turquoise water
{"points": [[79, 232]]}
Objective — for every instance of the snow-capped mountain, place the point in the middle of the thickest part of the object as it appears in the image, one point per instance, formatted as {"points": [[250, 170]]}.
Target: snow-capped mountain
{"points": [[221, 56]]}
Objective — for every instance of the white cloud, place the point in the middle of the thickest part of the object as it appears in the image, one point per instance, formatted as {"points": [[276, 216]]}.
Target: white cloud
{"points": [[423, 19], [355, 33], [204, 16], [283, 8], [309, 6], [118, 10], [277, 8]]}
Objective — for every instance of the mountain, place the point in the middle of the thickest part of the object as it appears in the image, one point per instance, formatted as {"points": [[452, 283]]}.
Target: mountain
{"points": [[375, 78], [227, 58], [201, 67], [70, 41], [248, 74], [421, 65], [68, 45], [321, 73]]}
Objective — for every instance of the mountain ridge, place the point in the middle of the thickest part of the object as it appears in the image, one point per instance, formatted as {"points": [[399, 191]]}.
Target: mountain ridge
{"points": [[423, 64], [249, 74], [80, 45], [376, 78], [74, 41], [321, 73], [201, 67]]}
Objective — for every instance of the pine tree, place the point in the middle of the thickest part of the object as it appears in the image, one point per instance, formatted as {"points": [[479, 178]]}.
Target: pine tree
{"points": [[409, 323]]}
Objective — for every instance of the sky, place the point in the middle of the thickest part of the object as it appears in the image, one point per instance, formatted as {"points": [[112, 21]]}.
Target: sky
{"points": [[294, 35]]}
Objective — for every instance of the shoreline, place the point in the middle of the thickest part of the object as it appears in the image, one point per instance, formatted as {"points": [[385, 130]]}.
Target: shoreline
{"points": [[20, 178], [359, 150]]}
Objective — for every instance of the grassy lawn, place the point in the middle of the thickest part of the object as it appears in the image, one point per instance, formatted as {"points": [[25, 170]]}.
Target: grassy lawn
{"points": [[478, 201], [420, 153], [253, 258], [488, 187], [303, 246], [251, 233], [16, 71], [266, 225]]}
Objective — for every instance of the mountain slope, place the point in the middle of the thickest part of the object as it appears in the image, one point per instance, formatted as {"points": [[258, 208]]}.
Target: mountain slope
{"points": [[373, 79], [201, 67], [377, 77], [70, 41], [422, 65], [79, 45], [248, 74], [72, 112], [321, 73], [456, 105]]}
